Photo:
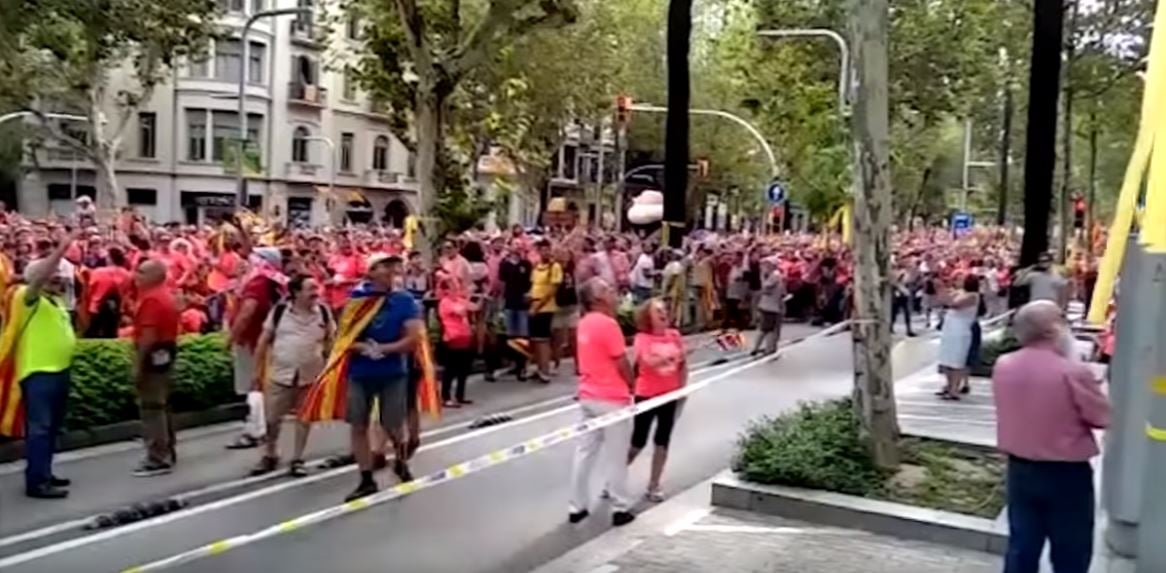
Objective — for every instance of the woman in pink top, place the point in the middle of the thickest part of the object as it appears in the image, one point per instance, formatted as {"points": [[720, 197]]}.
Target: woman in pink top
{"points": [[457, 340], [661, 367]]}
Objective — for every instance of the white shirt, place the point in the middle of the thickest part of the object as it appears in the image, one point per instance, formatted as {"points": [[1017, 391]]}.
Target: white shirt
{"points": [[641, 273]]}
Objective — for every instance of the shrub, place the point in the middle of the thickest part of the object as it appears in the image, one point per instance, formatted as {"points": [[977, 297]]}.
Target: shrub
{"points": [[103, 388], [817, 446]]}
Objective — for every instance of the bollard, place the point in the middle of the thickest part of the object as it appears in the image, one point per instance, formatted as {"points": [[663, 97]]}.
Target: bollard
{"points": [[1152, 527], [1125, 442]]}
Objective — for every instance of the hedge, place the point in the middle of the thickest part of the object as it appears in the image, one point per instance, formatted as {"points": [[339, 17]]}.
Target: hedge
{"points": [[816, 446], [103, 388], [992, 350]]}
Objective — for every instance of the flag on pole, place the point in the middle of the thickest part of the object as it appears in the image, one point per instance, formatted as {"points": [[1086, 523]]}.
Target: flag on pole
{"points": [[11, 401]]}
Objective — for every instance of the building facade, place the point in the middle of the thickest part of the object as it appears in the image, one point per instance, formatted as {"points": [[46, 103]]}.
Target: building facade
{"points": [[178, 162]]}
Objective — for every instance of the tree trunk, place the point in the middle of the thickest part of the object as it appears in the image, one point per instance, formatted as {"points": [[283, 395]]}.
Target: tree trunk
{"points": [[1067, 141], [1005, 155], [918, 199], [874, 397], [107, 187], [1041, 137], [1092, 181], [676, 144], [427, 118]]}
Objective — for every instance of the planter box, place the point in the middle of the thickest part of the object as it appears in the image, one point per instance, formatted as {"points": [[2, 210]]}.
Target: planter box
{"points": [[875, 516]]}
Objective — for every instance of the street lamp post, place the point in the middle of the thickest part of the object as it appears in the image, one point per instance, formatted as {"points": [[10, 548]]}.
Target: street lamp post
{"points": [[331, 167], [770, 156], [242, 179], [72, 152], [843, 49]]}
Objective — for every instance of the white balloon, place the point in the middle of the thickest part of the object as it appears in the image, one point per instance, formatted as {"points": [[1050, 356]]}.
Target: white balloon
{"points": [[645, 214]]}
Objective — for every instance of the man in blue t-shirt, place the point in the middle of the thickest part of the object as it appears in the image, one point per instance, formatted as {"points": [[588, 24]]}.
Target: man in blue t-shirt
{"points": [[378, 370]]}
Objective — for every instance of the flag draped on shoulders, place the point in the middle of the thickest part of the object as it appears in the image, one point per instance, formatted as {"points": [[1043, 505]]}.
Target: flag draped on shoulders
{"points": [[15, 315], [328, 396]]}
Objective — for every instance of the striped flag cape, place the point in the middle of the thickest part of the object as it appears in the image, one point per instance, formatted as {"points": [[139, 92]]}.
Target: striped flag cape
{"points": [[15, 316], [328, 397]]}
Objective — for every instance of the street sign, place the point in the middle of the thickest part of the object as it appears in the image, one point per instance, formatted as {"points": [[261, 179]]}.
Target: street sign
{"points": [[775, 193], [961, 223]]}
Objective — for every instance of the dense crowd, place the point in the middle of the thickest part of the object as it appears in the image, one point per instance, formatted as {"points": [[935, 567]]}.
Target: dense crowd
{"points": [[325, 322]]}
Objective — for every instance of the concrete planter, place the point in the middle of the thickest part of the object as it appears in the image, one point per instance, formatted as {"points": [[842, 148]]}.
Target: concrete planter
{"points": [[875, 516]]}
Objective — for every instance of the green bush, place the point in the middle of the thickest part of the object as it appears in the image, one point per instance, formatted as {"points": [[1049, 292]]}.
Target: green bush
{"points": [[817, 446], [992, 350], [103, 388]]}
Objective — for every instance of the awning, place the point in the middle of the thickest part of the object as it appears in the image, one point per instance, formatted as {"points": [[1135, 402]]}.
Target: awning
{"points": [[349, 194]]}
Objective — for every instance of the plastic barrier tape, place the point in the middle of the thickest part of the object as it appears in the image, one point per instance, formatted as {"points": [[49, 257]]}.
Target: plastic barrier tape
{"points": [[456, 471]]}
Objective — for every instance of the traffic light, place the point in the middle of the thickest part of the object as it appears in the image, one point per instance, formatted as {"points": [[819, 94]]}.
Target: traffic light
{"points": [[623, 109], [1079, 213]]}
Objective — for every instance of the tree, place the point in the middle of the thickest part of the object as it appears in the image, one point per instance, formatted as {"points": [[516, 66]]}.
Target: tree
{"points": [[420, 52], [874, 396], [63, 55]]}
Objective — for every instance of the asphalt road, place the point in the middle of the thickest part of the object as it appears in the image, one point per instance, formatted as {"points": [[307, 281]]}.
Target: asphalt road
{"points": [[508, 518]]}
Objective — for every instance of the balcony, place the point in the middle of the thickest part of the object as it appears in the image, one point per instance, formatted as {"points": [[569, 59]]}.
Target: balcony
{"points": [[381, 177], [298, 170], [304, 33], [307, 95]]}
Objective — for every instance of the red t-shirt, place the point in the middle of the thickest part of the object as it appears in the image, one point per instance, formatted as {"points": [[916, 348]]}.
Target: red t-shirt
{"points": [[104, 281], [157, 309], [659, 362], [600, 348], [455, 322], [191, 321], [260, 290], [348, 269]]}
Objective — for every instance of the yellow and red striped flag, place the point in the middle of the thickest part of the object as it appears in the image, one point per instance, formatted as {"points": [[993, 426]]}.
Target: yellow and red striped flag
{"points": [[11, 401]]}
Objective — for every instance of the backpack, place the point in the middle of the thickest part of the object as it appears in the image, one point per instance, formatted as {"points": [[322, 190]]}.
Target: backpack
{"points": [[281, 308]]}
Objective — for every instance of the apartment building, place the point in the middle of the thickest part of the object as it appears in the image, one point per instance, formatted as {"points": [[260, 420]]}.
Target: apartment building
{"points": [[177, 163]]}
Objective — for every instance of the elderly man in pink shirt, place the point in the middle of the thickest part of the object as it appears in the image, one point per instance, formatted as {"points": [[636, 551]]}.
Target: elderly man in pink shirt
{"points": [[605, 384], [1047, 406]]}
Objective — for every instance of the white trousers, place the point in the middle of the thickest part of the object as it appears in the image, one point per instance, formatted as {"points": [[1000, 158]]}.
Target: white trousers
{"points": [[607, 447]]}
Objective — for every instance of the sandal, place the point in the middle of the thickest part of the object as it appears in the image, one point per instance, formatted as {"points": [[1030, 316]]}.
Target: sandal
{"points": [[297, 469]]}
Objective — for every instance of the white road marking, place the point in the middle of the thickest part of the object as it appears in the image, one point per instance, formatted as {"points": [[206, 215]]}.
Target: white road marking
{"points": [[113, 533]]}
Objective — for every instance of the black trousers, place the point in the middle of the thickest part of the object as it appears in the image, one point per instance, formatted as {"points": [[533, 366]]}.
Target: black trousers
{"points": [[901, 304], [455, 368]]}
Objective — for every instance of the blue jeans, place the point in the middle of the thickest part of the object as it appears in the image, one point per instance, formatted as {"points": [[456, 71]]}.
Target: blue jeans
{"points": [[44, 414], [517, 323], [1053, 501]]}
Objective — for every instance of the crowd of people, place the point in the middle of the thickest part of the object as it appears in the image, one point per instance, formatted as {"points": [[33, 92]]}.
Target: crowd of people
{"points": [[337, 324]]}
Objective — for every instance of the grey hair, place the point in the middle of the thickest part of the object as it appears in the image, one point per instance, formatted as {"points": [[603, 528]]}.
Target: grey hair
{"points": [[589, 291], [1034, 322]]}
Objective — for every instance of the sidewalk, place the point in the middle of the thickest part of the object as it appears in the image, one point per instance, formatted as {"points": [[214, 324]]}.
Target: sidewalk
{"points": [[102, 481]]}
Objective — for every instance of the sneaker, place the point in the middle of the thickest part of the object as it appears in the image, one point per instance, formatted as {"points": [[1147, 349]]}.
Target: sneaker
{"points": [[267, 464], [577, 516], [365, 489], [654, 495], [297, 469], [150, 469], [621, 518], [46, 491], [243, 443]]}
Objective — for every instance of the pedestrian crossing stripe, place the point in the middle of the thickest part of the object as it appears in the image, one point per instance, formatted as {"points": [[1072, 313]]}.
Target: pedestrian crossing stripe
{"points": [[477, 464], [1156, 434]]}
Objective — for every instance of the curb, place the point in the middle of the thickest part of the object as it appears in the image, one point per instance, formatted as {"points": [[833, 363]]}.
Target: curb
{"points": [[130, 430], [876, 516]]}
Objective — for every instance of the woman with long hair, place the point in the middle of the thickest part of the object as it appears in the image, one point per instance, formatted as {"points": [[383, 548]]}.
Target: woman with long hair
{"points": [[956, 337], [661, 367], [454, 310]]}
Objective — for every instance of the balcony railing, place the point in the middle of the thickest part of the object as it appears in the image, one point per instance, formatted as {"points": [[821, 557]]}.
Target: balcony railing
{"points": [[304, 32], [295, 168], [382, 176], [307, 94]]}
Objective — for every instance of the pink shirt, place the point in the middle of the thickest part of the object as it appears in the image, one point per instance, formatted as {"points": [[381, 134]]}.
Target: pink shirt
{"points": [[600, 348], [1047, 406], [659, 360], [455, 323]]}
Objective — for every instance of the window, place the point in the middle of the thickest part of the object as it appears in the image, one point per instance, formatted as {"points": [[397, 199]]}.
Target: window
{"points": [[256, 55], [304, 71], [354, 27], [196, 134], [147, 132], [228, 59], [226, 131], [257, 6], [380, 153], [570, 162], [300, 145], [302, 25], [411, 166], [142, 196], [349, 84], [347, 143], [237, 6], [198, 66]]}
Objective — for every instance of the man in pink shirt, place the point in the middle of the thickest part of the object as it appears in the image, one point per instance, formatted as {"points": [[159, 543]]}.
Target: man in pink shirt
{"points": [[1047, 407], [605, 383]]}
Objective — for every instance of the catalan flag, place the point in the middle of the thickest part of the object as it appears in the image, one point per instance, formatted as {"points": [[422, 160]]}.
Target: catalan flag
{"points": [[11, 402]]}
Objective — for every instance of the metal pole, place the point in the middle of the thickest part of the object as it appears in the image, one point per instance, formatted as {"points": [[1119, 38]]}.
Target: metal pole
{"points": [[843, 50], [770, 156], [599, 178], [1152, 529], [241, 177], [967, 160]]}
